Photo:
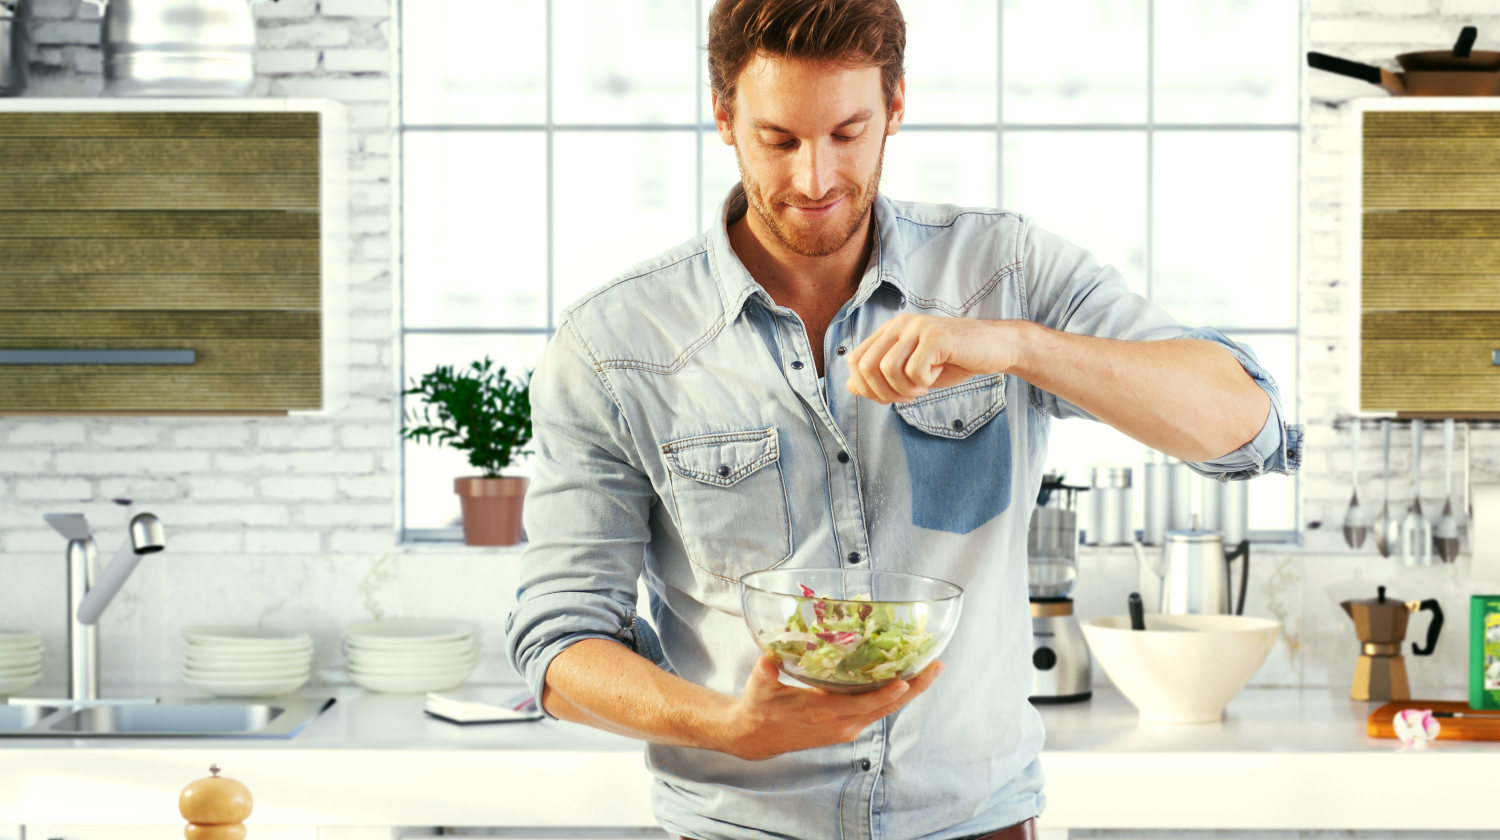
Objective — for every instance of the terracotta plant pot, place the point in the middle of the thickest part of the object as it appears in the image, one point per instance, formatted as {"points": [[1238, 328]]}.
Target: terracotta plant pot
{"points": [[492, 509]]}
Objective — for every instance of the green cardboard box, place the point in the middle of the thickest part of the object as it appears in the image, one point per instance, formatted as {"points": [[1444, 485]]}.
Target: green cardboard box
{"points": [[1484, 652]]}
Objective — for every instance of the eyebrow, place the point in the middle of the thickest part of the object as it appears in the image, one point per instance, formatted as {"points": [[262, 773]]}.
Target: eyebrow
{"points": [[861, 116]]}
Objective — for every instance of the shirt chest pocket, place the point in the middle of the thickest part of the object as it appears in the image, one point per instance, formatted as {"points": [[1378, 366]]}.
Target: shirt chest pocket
{"points": [[729, 499], [958, 453]]}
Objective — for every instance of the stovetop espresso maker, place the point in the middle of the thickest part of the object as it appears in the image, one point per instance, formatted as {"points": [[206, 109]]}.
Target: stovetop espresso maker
{"points": [[1380, 624]]}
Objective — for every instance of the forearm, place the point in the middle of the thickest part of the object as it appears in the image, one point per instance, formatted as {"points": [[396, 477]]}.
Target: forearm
{"points": [[1188, 398], [607, 685]]}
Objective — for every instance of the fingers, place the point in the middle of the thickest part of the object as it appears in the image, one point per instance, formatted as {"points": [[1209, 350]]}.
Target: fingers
{"points": [[913, 687], [887, 366]]}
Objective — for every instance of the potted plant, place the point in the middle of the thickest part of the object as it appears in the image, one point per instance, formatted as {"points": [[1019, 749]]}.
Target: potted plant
{"points": [[481, 411]]}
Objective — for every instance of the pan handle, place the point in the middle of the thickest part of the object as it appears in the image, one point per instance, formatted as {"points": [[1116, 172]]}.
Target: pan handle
{"points": [[1344, 67], [1465, 42]]}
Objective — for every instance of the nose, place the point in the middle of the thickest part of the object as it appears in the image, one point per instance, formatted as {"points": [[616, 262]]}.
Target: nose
{"points": [[814, 176]]}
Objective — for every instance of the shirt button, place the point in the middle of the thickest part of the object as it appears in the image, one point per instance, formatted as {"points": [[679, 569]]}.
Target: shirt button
{"points": [[854, 557], [864, 764], [796, 365], [724, 472], [842, 350], [843, 457], [958, 425]]}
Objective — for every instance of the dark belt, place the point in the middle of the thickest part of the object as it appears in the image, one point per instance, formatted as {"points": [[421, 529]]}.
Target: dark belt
{"points": [[1020, 831]]}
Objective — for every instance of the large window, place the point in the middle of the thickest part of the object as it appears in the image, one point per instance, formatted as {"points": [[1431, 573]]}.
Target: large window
{"points": [[547, 145]]}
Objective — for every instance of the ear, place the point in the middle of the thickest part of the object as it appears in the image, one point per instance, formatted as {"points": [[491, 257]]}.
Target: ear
{"points": [[898, 108], [721, 119]]}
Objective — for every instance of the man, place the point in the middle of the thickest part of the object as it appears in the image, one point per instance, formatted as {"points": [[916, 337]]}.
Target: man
{"points": [[828, 378]]}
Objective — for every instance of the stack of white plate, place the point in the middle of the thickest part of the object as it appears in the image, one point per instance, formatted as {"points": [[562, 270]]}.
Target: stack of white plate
{"points": [[20, 660], [401, 655], [230, 660]]}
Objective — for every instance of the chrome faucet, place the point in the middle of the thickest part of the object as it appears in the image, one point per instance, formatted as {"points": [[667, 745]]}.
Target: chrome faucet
{"points": [[88, 595]]}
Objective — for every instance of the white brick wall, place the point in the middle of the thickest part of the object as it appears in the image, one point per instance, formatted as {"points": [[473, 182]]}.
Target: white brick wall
{"points": [[291, 521]]}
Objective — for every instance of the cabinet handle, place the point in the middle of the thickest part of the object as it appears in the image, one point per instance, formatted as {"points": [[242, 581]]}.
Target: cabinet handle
{"points": [[99, 357], [1495, 357]]}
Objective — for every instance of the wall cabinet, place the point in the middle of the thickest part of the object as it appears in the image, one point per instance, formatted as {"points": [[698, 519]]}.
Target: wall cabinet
{"points": [[1429, 256], [166, 256]]}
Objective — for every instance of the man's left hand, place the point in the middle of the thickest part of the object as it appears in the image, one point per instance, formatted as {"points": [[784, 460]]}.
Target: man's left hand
{"points": [[910, 355]]}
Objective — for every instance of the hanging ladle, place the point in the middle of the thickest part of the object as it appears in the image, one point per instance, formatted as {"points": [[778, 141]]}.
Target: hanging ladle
{"points": [[1445, 533]]}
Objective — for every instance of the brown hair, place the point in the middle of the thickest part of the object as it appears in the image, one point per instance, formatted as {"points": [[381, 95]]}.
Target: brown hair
{"points": [[858, 32]]}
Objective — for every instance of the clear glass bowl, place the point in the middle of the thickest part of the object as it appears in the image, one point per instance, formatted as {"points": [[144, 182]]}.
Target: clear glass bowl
{"points": [[863, 629]]}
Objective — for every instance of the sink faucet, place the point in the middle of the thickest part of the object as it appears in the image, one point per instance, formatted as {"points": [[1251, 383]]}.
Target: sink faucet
{"points": [[88, 595]]}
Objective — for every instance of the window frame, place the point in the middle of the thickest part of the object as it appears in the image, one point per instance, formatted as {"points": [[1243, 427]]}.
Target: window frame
{"points": [[703, 124]]}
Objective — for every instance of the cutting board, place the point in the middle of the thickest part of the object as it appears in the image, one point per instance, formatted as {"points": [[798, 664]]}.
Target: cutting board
{"points": [[1453, 729]]}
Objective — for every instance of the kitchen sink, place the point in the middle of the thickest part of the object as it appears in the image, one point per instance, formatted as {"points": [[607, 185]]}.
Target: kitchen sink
{"points": [[278, 718], [13, 718]]}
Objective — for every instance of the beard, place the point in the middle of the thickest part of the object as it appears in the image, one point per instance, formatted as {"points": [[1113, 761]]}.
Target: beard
{"points": [[824, 237]]}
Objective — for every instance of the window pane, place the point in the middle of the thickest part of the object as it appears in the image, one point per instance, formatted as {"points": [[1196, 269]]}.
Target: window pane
{"points": [[720, 174], [431, 468], [946, 167], [1201, 78], [950, 61], [465, 62], [1225, 235], [475, 217], [619, 198], [1079, 61], [618, 61], [1087, 187]]}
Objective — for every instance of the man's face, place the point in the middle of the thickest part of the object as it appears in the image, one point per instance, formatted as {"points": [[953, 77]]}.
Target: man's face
{"points": [[809, 138]]}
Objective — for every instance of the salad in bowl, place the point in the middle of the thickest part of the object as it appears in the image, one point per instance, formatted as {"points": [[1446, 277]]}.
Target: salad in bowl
{"points": [[848, 630]]}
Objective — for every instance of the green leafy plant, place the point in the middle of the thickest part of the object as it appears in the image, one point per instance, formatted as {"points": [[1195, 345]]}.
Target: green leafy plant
{"points": [[479, 410]]}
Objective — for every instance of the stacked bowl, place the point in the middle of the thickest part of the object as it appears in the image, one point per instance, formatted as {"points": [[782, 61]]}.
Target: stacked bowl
{"points": [[228, 660], [20, 660], [403, 655]]}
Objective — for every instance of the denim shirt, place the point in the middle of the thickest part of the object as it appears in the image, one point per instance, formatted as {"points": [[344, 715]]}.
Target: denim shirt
{"points": [[681, 434]]}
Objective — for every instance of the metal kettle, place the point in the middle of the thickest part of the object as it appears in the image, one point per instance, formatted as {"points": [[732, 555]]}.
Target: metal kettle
{"points": [[1380, 623], [177, 47], [1194, 572]]}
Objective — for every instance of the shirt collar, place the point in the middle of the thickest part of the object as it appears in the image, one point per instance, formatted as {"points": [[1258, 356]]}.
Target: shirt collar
{"points": [[736, 286]]}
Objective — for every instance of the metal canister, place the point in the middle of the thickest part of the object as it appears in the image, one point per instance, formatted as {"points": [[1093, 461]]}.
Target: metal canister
{"points": [[177, 47], [15, 46], [1109, 507]]}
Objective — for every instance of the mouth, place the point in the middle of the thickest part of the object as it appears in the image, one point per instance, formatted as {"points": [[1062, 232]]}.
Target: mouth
{"points": [[816, 211]]}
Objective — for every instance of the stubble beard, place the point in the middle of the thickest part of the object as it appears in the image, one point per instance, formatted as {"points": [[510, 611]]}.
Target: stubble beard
{"points": [[808, 243]]}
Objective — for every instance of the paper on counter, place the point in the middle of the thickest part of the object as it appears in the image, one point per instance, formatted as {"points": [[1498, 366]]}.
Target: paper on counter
{"points": [[457, 709]]}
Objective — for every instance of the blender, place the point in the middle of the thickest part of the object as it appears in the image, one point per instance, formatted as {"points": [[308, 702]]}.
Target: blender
{"points": [[1060, 664]]}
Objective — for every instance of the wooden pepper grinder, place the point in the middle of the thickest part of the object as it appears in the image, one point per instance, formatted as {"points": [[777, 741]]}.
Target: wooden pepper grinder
{"points": [[215, 808]]}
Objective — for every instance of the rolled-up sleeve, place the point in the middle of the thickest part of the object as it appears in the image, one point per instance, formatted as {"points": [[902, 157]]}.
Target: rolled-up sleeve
{"points": [[1067, 289], [586, 516], [1277, 447]]}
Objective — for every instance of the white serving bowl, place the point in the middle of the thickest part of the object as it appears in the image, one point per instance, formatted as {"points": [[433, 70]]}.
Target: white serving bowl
{"points": [[10, 685], [454, 657], [12, 660], [11, 640], [404, 633], [279, 673], [1181, 668], [377, 669], [460, 647], [408, 684], [246, 688], [246, 636]]}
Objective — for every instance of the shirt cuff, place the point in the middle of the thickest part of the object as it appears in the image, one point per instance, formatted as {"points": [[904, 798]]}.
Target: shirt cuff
{"points": [[1277, 447]]}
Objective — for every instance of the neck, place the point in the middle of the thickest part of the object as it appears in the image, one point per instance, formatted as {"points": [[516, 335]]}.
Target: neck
{"points": [[795, 280]]}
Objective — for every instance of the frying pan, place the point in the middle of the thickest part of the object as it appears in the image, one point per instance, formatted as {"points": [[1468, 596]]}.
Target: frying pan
{"points": [[1461, 71]]}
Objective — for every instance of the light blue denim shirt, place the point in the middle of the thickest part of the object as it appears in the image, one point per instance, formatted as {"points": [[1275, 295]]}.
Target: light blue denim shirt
{"points": [[681, 434]]}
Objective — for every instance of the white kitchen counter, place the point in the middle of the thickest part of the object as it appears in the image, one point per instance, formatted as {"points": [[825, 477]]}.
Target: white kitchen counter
{"points": [[1281, 759]]}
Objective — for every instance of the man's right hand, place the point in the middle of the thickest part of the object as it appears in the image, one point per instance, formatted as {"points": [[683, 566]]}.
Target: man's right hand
{"points": [[771, 718]]}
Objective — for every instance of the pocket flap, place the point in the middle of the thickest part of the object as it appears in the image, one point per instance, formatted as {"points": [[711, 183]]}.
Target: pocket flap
{"points": [[722, 459], [959, 411]]}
